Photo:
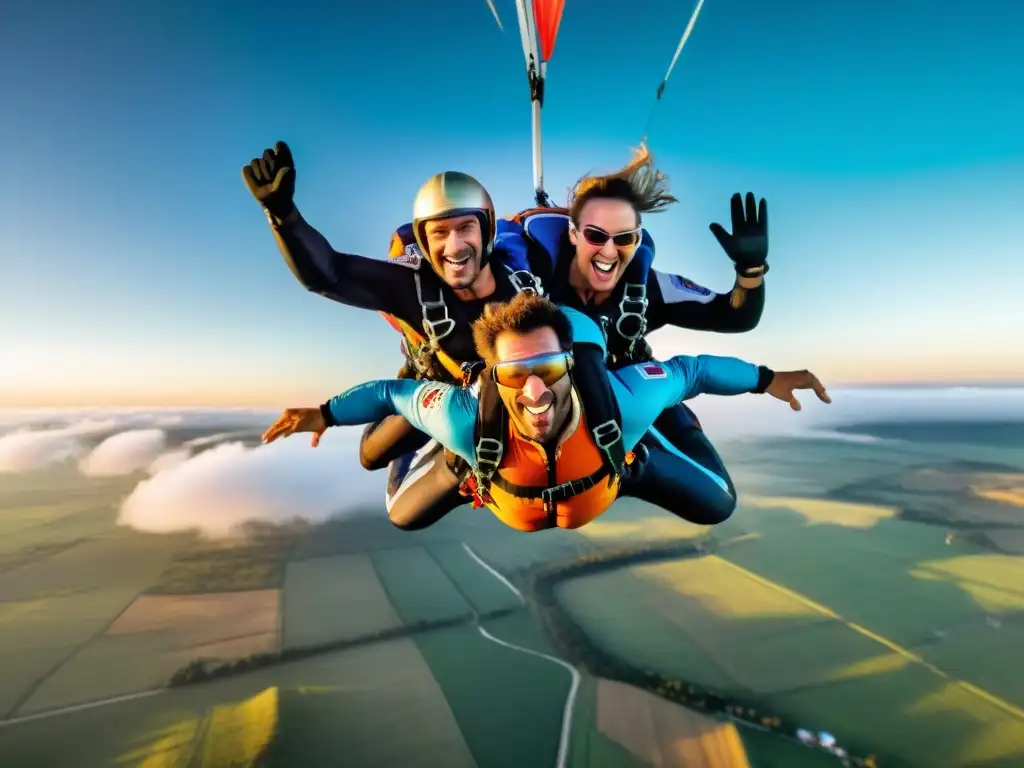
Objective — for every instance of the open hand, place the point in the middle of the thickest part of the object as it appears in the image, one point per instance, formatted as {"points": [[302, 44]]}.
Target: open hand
{"points": [[271, 179], [295, 420], [747, 246], [785, 382]]}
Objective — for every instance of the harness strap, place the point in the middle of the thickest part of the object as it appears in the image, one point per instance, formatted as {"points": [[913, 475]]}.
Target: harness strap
{"points": [[632, 310], [553, 494]]}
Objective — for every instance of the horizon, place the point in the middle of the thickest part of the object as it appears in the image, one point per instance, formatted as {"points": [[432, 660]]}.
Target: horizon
{"points": [[143, 406]]}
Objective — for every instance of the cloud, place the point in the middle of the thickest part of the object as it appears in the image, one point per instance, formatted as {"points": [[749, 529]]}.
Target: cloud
{"points": [[230, 484], [31, 439], [169, 460], [124, 453], [24, 449]]}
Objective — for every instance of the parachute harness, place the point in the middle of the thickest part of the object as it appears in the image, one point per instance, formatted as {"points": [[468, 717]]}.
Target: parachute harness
{"points": [[632, 308], [437, 324]]}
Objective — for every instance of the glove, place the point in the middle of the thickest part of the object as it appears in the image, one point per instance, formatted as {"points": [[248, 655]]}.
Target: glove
{"points": [[271, 179], [747, 246]]}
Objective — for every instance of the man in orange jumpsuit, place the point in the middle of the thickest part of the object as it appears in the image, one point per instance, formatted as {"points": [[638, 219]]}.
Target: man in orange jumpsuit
{"points": [[546, 466]]}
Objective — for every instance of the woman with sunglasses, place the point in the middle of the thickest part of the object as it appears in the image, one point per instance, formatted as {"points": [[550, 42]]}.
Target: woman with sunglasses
{"points": [[549, 468], [600, 258]]}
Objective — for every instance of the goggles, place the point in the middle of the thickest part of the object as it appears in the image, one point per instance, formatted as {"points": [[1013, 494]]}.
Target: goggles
{"points": [[548, 368]]}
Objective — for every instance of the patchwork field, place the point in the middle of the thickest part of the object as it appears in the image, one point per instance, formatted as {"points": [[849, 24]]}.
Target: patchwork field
{"points": [[157, 635], [862, 630], [375, 705], [820, 600]]}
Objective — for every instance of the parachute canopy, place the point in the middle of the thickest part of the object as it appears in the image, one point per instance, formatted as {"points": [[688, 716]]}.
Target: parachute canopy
{"points": [[548, 14]]}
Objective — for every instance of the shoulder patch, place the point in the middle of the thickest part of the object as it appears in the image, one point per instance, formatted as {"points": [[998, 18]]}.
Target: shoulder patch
{"points": [[652, 371], [411, 257], [432, 397], [676, 289], [685, 284]]}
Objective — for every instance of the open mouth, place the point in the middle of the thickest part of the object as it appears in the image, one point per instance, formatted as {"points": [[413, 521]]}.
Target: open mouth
{"points": [[603, 269], [458, 261], [537, 410]]}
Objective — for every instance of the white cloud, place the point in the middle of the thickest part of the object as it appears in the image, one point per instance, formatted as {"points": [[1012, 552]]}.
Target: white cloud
{"points": [[230, 484], [34, 438], [124, 453], [26, 449], [169, 460]]}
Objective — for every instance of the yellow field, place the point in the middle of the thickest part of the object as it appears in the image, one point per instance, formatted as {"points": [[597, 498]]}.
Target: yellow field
{"points": [[664, 734], [1011, 496], [823, 510], [332, 598], [157, 635]]}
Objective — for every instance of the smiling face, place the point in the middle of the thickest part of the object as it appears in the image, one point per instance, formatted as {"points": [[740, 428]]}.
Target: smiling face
{"points": [[455, 248], [602, 262], [539, 408]]}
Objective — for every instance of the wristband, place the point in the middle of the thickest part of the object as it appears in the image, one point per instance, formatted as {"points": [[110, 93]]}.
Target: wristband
{"points": [[325, 412], [765, 376], [759, 271]]}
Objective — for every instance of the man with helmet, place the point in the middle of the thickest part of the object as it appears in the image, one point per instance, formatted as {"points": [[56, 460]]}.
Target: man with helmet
{"points": [[432, 292]]}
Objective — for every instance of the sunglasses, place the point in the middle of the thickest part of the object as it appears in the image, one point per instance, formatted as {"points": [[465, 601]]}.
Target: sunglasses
{"points": [[548, 368], [597, 236]]}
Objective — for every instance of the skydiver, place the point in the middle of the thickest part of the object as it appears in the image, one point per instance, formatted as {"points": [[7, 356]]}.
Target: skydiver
{"points": [[546, 463], [452, 232], [600, 264]]}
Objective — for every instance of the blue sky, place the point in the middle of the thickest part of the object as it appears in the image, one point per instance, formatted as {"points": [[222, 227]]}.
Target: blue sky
{"points": [[136, 269]]}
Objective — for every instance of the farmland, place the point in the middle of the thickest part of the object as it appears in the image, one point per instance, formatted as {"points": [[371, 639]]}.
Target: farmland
{"points": [[827, 638], [822, 600]]}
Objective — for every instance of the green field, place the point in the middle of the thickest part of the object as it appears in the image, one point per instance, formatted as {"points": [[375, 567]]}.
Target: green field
{"points": [[418, 587], [332, 598], [508, 703], [822, 623]]}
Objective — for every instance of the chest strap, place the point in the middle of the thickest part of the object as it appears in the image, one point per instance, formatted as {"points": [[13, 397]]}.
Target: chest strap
{"points": [[555, 494]]}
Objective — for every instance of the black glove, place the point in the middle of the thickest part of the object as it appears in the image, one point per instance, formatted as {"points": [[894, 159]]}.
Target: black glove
{"points": [[747, 246], [271, 179]]}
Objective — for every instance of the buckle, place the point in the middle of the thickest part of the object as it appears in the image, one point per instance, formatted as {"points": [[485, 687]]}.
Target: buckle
{"points": [[637, 298], [470, 368], [431, 326], [607, 434], [488, 446], [529, 283]]}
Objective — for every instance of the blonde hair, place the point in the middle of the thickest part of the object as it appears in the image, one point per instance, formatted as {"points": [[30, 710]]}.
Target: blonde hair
{"points": [[639, 183]]}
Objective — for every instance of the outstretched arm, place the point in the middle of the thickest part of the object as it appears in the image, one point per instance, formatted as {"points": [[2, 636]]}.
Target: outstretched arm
{"points": [[645, 390], [444, 411], [678, 301], [358, 281]]}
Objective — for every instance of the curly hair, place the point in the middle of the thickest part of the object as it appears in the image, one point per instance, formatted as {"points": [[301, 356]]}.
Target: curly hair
{"points": [[524, 313], [639, 183]]}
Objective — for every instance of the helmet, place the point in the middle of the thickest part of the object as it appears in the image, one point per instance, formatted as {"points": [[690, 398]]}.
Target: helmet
{"points": [[448, 194]]}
